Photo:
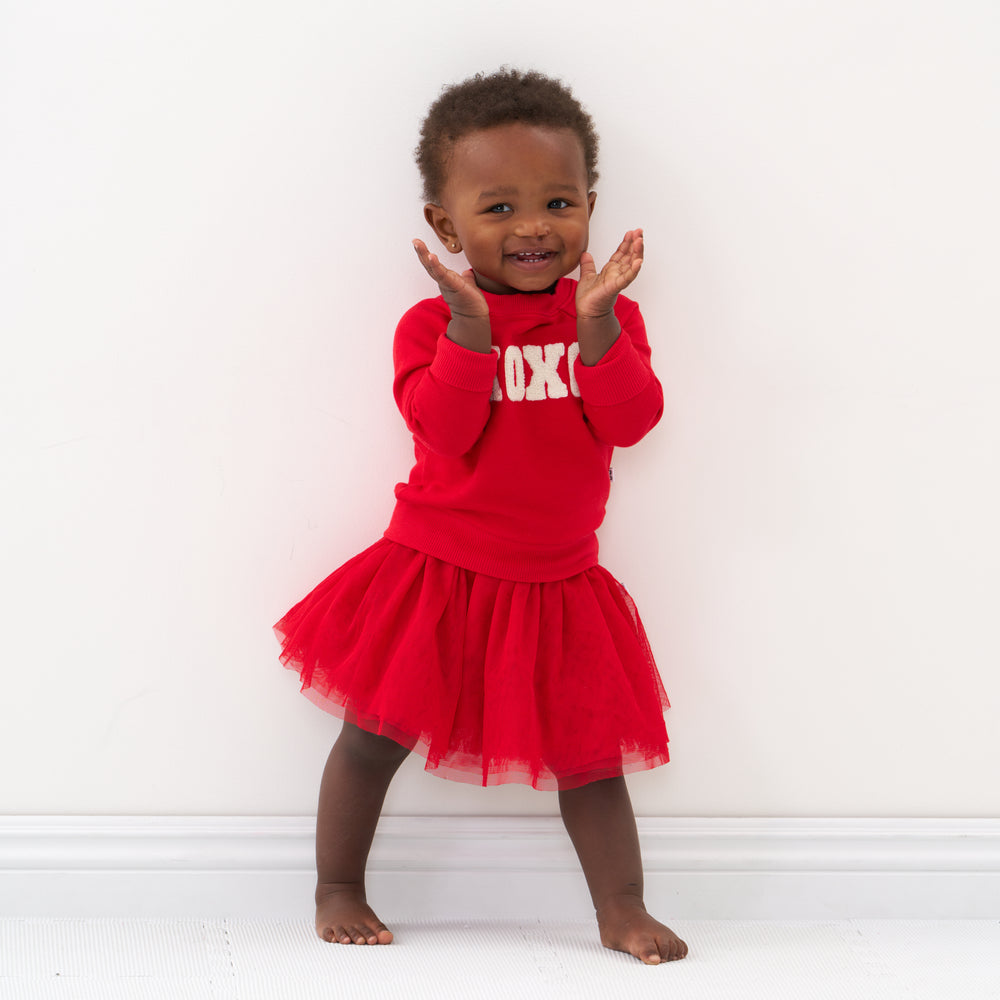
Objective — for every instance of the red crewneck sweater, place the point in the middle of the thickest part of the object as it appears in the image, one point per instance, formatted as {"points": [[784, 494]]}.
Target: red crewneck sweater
{"points": [[513, 448]]}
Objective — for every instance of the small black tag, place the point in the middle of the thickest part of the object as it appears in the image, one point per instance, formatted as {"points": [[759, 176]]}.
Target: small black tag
{"points": [[611, 474]]}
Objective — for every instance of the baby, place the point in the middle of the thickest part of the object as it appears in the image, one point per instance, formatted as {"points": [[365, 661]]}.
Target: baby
{"points": [[481, 630]]}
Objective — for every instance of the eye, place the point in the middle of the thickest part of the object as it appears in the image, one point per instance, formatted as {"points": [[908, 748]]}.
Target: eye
{"points": [[559, 203], [499, 208]]}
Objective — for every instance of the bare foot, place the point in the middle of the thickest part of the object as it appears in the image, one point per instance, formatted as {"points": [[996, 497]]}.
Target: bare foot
{"points": [[344, 916], [626, 926]]}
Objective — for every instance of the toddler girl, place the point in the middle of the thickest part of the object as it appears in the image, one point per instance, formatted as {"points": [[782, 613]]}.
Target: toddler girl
{"points": [[480, 630]]}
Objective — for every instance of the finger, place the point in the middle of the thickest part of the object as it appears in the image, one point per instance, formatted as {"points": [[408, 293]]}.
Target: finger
{"points": [[624, 248], [632, 243], [619, 274], [587, 265], [631, 259], [432, 264], [638, 244], [425, 256], [421, 247], [428, 259]]}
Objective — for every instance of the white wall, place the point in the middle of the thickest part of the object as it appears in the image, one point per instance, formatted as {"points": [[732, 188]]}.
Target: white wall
{"points": [[206, 216]]}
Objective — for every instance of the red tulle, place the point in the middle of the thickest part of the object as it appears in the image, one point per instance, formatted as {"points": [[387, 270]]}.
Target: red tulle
{"points": [[548, 684]]}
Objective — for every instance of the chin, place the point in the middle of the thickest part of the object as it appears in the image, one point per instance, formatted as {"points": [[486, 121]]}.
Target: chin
{"points": [[537, 282]]}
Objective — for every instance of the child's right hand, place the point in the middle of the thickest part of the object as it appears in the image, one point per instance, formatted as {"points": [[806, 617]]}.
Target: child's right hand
{"points": [[459, 290]]}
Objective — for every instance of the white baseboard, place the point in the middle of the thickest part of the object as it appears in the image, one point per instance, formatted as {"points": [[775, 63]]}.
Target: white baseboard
{"points": [[501, 867]]}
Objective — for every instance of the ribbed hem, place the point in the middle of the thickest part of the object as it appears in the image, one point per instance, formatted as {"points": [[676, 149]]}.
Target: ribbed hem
{"points": [[446, 535], [619, 376]]}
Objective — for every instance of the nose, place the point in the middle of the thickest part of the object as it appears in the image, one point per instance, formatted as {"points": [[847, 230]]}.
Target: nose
{"points": [[532, 224]]}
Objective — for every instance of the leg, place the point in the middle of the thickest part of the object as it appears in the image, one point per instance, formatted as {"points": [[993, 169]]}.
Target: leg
{"points": [[601, 824], [355, 781]]}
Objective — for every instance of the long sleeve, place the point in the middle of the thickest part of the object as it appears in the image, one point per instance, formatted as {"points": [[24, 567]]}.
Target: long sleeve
{"points": [[513, 447], [443, 390], [622, 398]]}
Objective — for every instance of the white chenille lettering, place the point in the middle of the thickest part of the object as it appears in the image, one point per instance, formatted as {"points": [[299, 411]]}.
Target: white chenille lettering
{"points": [[571, 355], [496, 394], [545, 380], [513, 370]]}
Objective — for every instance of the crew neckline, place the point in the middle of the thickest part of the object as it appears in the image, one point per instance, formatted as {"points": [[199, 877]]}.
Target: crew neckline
{"points": [[561, 296]]}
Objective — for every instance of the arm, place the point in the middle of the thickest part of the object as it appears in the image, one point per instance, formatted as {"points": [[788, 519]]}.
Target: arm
{"points": [[470, 315], [444, 364], [622, 398], [596, 323]]}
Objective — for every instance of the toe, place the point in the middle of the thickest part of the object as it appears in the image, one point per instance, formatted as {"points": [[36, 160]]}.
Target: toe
{"points": [[379, 934], [648, 952]]}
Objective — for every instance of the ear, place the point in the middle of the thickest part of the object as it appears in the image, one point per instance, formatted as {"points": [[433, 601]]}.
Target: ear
{"points": [[591, 199], [440, 221]]}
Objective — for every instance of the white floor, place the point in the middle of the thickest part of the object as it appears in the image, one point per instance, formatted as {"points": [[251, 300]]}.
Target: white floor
{"points": [[274, 960]]}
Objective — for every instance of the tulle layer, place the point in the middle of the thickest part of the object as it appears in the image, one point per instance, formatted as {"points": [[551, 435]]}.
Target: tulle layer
{"points": [[492, 681]]}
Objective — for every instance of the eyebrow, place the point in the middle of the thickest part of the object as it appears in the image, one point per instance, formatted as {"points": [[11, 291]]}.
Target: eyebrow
{"points": [[500, 192], [506, 192]]}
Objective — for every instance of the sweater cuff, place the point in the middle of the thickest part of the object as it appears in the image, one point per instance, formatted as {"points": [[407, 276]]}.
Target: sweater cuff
{"points": [[461, 368], [617, 377]]}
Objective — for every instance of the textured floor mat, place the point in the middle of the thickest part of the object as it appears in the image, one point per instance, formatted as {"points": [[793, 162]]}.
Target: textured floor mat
{"points": [[283, 960]]}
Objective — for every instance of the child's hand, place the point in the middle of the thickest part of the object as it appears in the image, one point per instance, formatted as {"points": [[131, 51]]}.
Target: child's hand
{"points": [[459, 290], [596, 293]]}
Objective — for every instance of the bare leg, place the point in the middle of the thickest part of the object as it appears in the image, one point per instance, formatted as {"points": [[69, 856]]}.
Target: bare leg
{"points": [[355, 781], [601, 824]]}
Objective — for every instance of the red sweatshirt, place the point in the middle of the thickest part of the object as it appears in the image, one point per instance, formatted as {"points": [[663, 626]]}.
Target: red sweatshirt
{"points": [[513, 448]]}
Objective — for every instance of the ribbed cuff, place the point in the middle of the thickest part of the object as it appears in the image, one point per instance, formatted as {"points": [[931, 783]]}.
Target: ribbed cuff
{"points": [[617, 377], [461, 368]]}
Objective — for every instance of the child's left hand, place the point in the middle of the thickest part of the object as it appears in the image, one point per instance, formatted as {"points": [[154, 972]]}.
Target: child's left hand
{"points": [[596, 293]]}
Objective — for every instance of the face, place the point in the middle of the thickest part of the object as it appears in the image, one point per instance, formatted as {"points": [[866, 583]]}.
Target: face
{"points": [[516, 203]]}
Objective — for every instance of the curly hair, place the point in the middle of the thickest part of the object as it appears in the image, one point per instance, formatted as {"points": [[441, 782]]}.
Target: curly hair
{"points": [[485, 101]]}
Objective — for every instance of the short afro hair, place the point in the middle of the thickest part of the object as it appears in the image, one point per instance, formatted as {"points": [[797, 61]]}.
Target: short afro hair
{"points": [[500, 98]]}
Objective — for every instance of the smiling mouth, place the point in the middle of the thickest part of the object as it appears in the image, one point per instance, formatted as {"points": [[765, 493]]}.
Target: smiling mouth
{"points": [[532, 256]]}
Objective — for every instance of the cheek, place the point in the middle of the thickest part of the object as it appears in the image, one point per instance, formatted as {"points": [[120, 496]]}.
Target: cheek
{"points": [[580, 236], [487, 242]]}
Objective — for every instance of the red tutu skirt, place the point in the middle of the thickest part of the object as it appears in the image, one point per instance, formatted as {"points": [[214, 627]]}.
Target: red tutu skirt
{"points": [[548, 684]]}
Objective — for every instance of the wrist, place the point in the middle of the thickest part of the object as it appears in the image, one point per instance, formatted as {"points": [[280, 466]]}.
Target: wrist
{"points": [[472, 332], [596, 335], [470, 317]]}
